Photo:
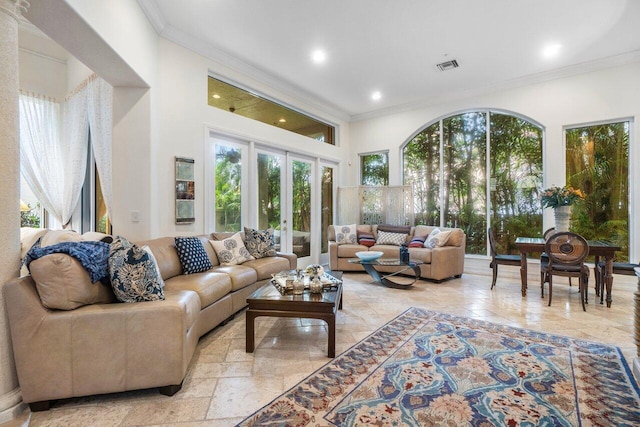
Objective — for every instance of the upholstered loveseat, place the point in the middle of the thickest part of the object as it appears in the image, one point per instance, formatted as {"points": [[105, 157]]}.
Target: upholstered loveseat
{"points": [[439, 263], [110, 347]]}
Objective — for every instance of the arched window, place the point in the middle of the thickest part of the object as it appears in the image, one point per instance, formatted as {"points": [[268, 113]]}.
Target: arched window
{"points": [[455, 186]]}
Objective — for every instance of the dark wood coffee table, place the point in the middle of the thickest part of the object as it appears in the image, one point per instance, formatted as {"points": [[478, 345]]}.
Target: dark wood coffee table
{"points": [[268, 301]]}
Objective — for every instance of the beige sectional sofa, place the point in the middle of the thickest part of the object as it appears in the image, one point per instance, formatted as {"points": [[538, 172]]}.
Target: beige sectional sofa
{"points": [[440, 263], [113, 347]]}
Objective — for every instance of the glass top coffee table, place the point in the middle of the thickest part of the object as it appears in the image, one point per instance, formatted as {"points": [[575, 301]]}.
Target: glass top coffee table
{"points": [[388, 279]]}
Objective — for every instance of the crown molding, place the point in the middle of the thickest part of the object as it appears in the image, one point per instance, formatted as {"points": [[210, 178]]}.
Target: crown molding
{"points": [[571, 70], [154, 14]]}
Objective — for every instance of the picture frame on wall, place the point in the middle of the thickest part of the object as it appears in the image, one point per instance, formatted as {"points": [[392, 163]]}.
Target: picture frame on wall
{"points": [[185, 191]]}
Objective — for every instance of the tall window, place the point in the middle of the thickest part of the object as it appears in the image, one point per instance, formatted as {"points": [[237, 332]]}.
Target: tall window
{"points": [[301, 208], [374, 169], [446, 164], [597, 162]]}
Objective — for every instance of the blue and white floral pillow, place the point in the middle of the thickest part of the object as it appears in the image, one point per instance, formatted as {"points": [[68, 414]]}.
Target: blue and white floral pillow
{"points": [[193, 257], [134, 274], [231, 251], [259, 243]]}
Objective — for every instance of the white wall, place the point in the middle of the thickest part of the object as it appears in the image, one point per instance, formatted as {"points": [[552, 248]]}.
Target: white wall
{"points": [[596, 96], [185, 117]]}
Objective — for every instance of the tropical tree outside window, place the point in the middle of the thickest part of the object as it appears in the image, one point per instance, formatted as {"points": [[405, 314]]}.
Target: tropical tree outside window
{"points": [[446, 164], [597, 162], [464, 178], [326, 196], [228, 178], [516, 179], [374, 169]]}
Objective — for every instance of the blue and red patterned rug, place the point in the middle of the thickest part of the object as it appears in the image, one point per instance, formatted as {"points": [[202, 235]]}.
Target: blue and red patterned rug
{"points": [[431, 369]]}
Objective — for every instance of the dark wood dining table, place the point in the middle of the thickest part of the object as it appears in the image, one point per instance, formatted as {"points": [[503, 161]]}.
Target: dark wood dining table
{"points": [[597, 248]]}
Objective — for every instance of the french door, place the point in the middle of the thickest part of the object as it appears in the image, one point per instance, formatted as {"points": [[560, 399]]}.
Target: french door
{"points": [[260, 187]]}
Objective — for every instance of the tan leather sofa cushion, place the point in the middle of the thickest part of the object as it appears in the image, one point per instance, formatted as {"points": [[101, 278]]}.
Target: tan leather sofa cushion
{"points": [[209, 286], [267, 266], [420, 254], [64, 284], [349, 251], [240, 275]]}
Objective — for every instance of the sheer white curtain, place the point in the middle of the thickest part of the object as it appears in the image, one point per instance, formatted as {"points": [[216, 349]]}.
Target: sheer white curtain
{"points": [[100, 112], [53, 156]]}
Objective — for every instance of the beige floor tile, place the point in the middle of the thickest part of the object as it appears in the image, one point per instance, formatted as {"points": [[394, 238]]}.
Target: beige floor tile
{"points": [[167, 411]]}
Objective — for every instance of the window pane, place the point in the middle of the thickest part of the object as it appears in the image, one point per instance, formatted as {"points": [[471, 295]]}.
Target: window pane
{"points": [[327, 206], [239, 101], [301, 208], [516, 180], [598, 164], [464, 177], [422, 172], [269, 174], [228, 176], [31, 211], [374, 169]]}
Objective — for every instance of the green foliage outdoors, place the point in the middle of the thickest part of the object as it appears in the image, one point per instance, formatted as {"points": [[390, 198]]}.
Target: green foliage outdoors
{"points": [[228, 176], [374, 169], [598, 164], [30, 218]]}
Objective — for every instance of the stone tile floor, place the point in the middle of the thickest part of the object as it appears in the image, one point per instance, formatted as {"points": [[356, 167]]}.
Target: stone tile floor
{"points": [[224, 384]]}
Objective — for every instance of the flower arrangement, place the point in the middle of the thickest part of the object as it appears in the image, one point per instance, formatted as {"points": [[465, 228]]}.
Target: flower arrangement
{"points": [[554, 197], [314, 270]]}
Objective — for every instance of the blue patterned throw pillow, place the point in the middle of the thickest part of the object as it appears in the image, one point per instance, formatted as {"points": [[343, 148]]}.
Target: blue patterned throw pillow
{"points": [[259, 243], [193, 257], [133, 273]]}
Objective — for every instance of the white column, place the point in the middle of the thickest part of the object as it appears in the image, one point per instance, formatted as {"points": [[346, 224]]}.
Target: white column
{"points": [[10, 14]]}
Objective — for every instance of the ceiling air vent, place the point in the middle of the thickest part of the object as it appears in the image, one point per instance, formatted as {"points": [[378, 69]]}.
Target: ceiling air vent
{"points": [[449, 65]]}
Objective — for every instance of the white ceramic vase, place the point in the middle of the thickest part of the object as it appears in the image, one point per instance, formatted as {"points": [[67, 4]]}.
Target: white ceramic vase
{"points": [[563, 218]]}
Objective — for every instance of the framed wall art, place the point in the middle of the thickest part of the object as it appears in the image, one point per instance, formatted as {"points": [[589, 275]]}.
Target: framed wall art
{"points": [[185, 191]]}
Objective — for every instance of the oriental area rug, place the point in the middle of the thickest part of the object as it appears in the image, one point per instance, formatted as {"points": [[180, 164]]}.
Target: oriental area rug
{"points": [[432, 369]]}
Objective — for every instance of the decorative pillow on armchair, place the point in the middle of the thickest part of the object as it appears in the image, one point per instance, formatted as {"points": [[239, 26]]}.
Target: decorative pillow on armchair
{"points": [[346, 234], [437, 238], [134, 274], [193, 257], [260, 243], [386, 238], [231, 251]]}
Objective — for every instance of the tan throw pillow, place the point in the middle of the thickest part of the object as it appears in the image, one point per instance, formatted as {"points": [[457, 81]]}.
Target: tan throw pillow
{"points": [[346, 234], [64, 284], [386, 238], [231, 251], [437, 238]]}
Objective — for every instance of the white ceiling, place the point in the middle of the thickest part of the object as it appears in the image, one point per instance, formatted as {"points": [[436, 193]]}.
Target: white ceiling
{"points": [[393, 46]]}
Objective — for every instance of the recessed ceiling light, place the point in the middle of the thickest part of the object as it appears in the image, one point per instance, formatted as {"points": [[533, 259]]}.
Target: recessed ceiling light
{"points": [[282, 120], [551, 51], [376, 96], [216, 96], [319, 56]]}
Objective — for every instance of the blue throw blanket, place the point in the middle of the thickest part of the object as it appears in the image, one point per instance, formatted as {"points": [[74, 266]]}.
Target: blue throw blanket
{"points": [[94, 256]]}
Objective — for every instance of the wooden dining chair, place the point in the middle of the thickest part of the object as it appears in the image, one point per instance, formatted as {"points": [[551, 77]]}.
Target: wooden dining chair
{"points": [[544, 258], [567, 252], [499, 259], [624, 268]]}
